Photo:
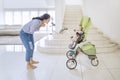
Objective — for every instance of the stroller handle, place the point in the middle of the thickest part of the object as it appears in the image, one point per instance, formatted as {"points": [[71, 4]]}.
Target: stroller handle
{"points": [[73, 45]]}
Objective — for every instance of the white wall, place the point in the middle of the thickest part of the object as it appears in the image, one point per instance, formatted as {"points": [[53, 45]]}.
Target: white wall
{"points": [[59, 14], [1, 12], [105, 15], [73, 2]]}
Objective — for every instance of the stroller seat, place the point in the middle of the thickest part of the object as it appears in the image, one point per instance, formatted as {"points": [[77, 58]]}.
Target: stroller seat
{"points": [[82, 35]]}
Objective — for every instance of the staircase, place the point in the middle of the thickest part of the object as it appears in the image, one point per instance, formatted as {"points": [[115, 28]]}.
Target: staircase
{"points": [[58, 43]]}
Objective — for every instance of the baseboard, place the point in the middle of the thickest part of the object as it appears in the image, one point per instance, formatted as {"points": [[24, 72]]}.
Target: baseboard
{"points": [[112, 40], [119, 44]]}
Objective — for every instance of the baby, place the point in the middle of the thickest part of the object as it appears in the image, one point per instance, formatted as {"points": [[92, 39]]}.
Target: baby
{"points": [[75, 37]]}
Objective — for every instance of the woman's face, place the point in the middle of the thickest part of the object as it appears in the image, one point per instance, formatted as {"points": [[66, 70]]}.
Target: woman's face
{"points": [[46, 21]]}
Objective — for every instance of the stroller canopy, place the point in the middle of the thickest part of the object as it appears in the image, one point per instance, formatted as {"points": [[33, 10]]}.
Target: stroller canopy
{"points": [[85, 25]]}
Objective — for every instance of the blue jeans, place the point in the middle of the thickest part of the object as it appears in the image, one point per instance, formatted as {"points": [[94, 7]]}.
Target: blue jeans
{"points": [[28, 42]]}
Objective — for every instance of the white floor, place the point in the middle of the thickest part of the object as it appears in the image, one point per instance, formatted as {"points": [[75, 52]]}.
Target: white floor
{"points": [[53, 66]]}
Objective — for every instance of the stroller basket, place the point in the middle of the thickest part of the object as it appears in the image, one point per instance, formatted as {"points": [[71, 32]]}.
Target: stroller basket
{"points": [[89, 49]]}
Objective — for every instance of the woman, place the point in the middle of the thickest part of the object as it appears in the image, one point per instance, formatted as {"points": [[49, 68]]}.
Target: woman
{"points": [[26, 35]]}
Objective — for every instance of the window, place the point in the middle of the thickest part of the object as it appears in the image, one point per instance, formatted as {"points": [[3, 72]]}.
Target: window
{"points": [[17, 18], [25, 17], [42, 12], [21, 17], [8, 18], [33, 14]]}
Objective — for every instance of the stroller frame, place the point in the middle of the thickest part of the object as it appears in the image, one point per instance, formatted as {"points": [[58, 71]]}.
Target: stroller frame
{"points": [[71, 63]]}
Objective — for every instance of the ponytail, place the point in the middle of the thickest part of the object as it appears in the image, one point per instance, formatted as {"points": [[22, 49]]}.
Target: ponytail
{"points": [[36, 18], [44, 16]]}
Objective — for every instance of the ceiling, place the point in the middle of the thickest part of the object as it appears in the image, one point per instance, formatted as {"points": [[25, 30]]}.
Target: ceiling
{"points": [[34, 3]]}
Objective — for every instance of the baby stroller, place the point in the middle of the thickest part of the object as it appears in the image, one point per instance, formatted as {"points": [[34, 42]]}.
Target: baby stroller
{"points": [[87, 48]]}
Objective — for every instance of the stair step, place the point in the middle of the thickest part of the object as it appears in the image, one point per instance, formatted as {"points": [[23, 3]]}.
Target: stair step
{"points": [[57, 42], [106, 50], [73, 11], [94, 37], [61, 46], [64, 42], [72, 22], [77, 14], [64, 49], [51, 49], [72, 18]]}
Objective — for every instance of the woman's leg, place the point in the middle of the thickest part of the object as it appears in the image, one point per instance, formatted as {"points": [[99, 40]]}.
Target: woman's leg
{"points": [[31, 59], [29, 50]]}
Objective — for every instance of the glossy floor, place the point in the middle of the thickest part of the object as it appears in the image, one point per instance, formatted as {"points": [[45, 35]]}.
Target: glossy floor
{"points": [[53, 66]]}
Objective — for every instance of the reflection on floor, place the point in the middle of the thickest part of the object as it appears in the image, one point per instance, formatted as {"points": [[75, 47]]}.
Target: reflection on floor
{"points": [[53, 66]]}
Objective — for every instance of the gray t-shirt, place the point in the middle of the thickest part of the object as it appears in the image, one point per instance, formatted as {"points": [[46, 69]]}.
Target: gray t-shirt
{"points": [[32, 26]]}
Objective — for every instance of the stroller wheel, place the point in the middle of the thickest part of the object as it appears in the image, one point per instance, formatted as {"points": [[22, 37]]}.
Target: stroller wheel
{"points": [[94, 61], [70, 55], [71, 64]]}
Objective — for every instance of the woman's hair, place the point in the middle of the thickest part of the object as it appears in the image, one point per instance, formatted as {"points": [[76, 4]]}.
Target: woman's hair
{"points": [[44, 16]]}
